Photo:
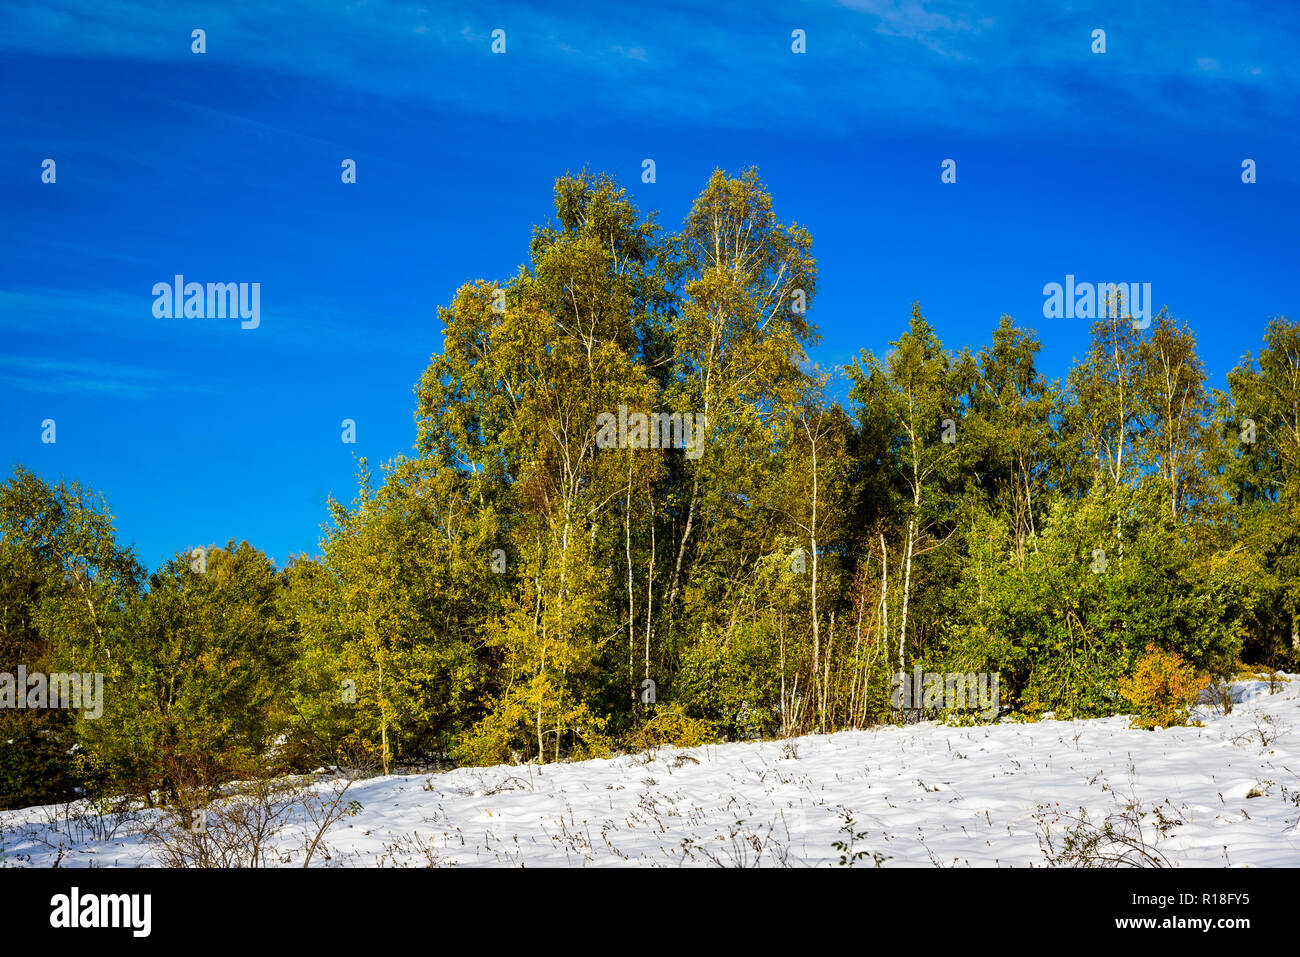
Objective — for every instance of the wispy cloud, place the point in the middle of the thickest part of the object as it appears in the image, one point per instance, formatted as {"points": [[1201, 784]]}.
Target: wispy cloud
{"points": [[90, 377], [71, 313], [1009, 65], [933, 29]]}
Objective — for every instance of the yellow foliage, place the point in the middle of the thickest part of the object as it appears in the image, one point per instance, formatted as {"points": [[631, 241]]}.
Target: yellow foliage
{"points": [[1033, 709], [672, 727], [1162, 689]]}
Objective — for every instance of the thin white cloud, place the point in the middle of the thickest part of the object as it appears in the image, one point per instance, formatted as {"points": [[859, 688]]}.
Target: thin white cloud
{"points": [[1010, 67], [91, 377]]}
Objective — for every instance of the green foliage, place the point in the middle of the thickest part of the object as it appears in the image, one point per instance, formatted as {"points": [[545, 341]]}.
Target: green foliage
{"points": [[200, 682], [506, 591], [391, 621], [851, 853], [67, 594]]}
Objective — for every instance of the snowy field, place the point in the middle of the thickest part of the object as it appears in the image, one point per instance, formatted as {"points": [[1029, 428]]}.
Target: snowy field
{"points": [[1226, 794]]}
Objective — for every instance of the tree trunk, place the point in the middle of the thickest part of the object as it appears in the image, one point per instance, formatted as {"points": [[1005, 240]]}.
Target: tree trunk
{"points": [[816, 625], [627, 544], [649, 590], [907, 586]]}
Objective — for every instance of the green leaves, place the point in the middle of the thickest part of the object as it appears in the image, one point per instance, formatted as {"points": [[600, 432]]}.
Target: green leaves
{"points": [[504, 592]]}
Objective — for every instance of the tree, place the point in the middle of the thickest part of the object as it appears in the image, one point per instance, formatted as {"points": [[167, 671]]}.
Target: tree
{"points": [[914, 390], [199, 681], [394, 619], [1260, 414], [66, 593], [1178, 428]]}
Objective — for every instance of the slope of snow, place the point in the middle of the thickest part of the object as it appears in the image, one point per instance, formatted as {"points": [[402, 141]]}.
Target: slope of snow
{"points": [[1226, 794]]}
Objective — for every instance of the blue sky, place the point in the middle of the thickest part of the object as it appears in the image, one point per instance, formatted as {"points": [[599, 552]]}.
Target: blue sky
{"points": [[1123, 166]]}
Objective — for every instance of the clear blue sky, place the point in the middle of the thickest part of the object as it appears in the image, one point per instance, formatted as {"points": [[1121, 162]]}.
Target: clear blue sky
{"points": [[225, 166]]}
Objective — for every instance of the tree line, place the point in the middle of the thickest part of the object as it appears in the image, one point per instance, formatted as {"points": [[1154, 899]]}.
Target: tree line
{"points": [[515, 589]]}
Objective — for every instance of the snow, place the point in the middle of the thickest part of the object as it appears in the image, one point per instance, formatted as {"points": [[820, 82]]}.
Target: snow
{"points": [[919, 795]]}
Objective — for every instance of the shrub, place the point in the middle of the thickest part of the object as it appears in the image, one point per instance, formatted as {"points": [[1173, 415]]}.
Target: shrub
{"points": [[671, 726], [1162, 689]]}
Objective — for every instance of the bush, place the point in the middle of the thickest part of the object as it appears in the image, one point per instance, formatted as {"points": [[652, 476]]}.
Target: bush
{"points": [[673, 727], [1162, 689]]}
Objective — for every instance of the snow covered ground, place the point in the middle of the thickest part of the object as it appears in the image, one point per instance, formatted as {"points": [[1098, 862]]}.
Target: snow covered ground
{"points": [[1226, 794]]}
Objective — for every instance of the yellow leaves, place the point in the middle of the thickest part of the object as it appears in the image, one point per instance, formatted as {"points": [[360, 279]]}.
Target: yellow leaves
{"points": [[1033, 710], [1162, 688], [672, 726]]}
